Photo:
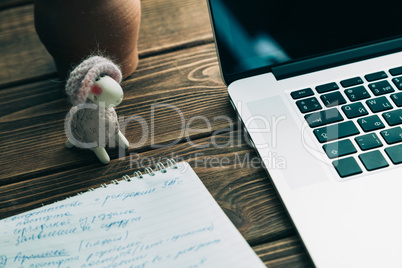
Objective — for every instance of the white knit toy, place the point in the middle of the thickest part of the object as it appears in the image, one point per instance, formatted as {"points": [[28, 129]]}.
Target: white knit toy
{"points": [[93, 88]]}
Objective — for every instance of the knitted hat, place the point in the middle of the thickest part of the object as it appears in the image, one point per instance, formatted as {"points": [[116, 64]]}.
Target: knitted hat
{"points": [[84, 76]]}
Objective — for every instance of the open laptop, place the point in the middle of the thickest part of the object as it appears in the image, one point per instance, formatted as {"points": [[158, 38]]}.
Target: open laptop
{"points": [[318, 87]]}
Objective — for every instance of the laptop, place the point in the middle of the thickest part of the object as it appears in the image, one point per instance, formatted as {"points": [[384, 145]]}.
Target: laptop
{"points": [[318, 88]]}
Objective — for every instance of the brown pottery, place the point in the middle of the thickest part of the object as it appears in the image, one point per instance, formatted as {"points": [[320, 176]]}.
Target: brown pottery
{"points": [[72, 30]]}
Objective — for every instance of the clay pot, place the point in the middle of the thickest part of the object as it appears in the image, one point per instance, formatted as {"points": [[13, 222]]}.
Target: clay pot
{"points": [[72, 30]]}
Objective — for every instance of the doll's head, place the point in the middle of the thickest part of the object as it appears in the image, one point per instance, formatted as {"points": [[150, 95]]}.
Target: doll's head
{"points": [[106, 92], [96, 79]]}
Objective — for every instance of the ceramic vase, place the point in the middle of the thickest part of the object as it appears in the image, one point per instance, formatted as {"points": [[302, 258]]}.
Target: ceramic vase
{"points": [[72, 30]]}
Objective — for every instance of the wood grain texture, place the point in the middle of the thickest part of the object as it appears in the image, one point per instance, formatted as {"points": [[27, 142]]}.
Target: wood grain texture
{"points": [[22, 55], [165, 24], [242, 190], [13, 3], [223, 163], [284, 253], [175, 106], [171, 98], [173, 23]]}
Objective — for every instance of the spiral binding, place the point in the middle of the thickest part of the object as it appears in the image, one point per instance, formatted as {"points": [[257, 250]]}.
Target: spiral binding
{"points": [[159, 167]]}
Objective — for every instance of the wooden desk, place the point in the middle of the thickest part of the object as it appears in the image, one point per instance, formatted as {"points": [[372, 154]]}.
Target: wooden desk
{"points": [[177, 82]]}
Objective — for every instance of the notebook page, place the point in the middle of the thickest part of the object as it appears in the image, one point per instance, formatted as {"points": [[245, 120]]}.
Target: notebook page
{"points": [[166, 220]]}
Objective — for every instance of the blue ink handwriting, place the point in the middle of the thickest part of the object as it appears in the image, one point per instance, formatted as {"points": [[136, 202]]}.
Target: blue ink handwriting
{"points": [[124, 196], [21, 258], [172, 182]]}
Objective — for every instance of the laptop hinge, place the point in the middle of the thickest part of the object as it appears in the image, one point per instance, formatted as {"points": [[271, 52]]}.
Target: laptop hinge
{"points": [[335, 59]]}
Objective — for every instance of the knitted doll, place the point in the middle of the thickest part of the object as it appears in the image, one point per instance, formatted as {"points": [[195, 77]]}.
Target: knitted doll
{"points": [[93, 89]]}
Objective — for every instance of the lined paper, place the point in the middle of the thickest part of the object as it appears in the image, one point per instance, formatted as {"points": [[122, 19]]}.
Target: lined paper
{"points": [[166, 220]]}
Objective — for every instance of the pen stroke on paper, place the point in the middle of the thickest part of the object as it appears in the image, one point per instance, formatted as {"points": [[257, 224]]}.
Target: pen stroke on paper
{"points": [[129, 195], [168, 220], [118, 248], [119, 241]]}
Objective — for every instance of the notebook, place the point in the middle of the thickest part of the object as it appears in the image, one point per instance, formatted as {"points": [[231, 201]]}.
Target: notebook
{"points": [[162, 218], [318, 88]]}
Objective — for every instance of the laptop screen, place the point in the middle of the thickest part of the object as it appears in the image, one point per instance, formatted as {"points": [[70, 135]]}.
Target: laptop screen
{"points": [[259, 33]]}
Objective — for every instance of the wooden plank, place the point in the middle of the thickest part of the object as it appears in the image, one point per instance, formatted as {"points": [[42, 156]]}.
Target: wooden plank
{"points": [[175, 97], [13, 3], [241, 189], [165, 24], [22, 55], [172, 23], [243, 192], [284, 253]]}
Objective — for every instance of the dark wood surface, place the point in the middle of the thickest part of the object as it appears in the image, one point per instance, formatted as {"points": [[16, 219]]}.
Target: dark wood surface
{"points": [[178, 68]]}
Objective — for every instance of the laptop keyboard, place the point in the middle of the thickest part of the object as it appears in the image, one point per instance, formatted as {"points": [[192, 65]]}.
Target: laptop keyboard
{"points": [[348, 115]]}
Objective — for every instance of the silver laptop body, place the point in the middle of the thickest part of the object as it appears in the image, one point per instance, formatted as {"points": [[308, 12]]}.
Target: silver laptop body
{"points": [[328, 125]]}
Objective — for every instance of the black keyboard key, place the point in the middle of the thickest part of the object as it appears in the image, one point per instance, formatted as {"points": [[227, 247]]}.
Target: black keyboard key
{"points": [[354, 110], [333, 99], [395, 153], [381, 88], [370, 123], [395, 71], [326, 87], [339, 148], [373, 160], [368, 141], [337, 131], [393, 117], [302, 93], [398, 82], [323, 117], [375, 76], [308, 105], [357, 93], [397, 99], [352, 82], [392, 135], [379, 104], [347, 167]]}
